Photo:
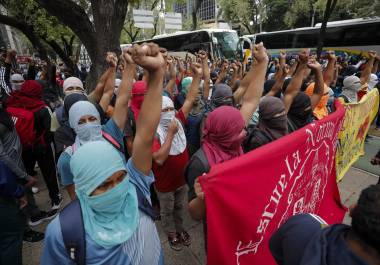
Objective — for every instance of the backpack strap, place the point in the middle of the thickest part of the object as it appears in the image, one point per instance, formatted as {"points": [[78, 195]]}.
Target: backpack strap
{"points": [[112, 141], [73, 233], [145, 206], [109, 139]]}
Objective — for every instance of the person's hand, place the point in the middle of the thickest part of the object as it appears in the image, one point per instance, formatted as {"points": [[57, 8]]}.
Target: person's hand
{"points": [[197, 69], [149, 57], [375, 161], [314, 65], [173, 127], [22, 202], [111, 59], [31, 182], [198, 189], [285, 70], [330, 55], [169, 60], [127, 56], [260, 53], [235, 67], [282, 56], [372, 54], [303, 56], [203, 56]]}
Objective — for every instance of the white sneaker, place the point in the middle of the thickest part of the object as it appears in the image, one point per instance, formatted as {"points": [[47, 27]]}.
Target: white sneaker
{"points": [[35, 190]]}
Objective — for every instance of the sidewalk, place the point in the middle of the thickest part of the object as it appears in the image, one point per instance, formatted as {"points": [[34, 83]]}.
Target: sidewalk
{"points": [[350, 188]]}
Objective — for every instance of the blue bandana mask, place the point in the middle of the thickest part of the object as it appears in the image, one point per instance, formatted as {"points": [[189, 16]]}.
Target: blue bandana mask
{"points": [[109, 216], [88, 132]]}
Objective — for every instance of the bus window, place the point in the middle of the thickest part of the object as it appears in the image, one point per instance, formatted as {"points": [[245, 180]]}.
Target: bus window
{"points": [[305, 39], [334, 37], [227, 43], [362, 35]]}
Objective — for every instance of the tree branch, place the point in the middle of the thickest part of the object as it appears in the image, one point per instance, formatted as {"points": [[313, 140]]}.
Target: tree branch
{"points": [[77, 21], [28, 32]]}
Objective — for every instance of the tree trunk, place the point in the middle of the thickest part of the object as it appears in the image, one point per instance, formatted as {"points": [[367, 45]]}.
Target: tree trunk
{"points": [[196, 6], [99, 36], [330, 5], [195, 20], [62, 54]]}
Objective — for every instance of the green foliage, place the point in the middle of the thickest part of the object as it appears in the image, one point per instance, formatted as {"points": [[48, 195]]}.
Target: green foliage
{"points": [[301, 12], [43, 24], [241, 12], [275, 15]]}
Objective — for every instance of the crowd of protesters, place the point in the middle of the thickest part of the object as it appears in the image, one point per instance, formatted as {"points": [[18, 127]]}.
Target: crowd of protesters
{"points": [[130, 152]]}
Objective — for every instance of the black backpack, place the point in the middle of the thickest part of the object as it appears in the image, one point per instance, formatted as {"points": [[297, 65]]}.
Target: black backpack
{"points": [[72, 227]]}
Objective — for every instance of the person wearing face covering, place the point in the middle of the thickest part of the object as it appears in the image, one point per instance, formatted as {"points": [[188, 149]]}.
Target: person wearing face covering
{"points": [[169, 172], [300, 112], [84, 120], [351, 87], [193, 130], [116, 232], [224, 133], [16, 81], [170, 156], [272, 124], [64, 136], [29, 97], [221, 96], [139, 89]]}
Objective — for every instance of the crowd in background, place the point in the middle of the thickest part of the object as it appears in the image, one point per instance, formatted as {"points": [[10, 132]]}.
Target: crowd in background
{"points": [[130, 152]]}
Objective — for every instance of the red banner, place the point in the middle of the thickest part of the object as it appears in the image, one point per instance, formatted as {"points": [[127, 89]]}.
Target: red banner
{"points": [[248, 198]]}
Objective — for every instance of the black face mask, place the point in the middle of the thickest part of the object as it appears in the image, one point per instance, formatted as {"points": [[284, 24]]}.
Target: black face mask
{"points": [[222, 101]]}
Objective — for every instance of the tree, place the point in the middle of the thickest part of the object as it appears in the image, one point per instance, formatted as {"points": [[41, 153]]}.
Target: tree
{"points": [[196, 5], [35, 21], [28, 31], [330, 5], [242, 13], [97, 23], [275, 15]]}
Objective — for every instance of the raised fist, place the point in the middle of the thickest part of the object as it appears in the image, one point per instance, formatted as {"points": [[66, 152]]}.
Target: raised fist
{"points": [[260, 53], [303, 56], [197, 69], [148, 56], [314, 65]]}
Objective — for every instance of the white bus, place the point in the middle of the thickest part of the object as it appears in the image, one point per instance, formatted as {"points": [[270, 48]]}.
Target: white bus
{"points": [[219, 43], [354, 36]]}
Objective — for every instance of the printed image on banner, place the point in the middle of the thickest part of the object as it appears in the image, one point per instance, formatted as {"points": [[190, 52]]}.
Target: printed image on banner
{"points": [[357, 121], [249, 197]]}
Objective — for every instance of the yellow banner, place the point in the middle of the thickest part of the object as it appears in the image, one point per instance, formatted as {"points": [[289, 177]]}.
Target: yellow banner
{"points": [[357, 120]]}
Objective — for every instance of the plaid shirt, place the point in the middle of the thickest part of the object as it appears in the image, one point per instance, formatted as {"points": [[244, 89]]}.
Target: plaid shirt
{"points": [[5, 88]]}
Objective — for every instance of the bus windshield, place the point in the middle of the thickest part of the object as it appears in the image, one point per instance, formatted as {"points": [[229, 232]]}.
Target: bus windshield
{"points": [[227, 43]]}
